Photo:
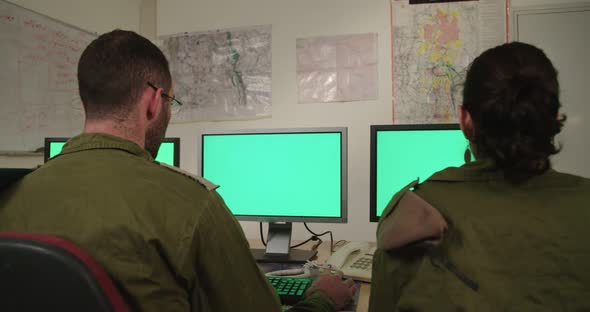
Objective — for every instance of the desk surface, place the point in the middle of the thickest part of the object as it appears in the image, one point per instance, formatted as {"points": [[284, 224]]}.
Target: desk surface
{"points": [[323, 255]]}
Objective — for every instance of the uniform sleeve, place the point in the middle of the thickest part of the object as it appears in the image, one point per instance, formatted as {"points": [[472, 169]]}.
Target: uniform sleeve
{"points": [[227, 277], [224, 268], [391, 271], [314, 303]]}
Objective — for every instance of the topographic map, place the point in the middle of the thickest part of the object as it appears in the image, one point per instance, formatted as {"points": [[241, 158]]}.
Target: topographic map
{"points": [[432, 48], [221, 75]]}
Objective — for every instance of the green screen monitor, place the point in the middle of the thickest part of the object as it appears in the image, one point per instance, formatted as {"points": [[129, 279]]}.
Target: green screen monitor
{"points": [[279, 176], [169, 152], [402, 153]]}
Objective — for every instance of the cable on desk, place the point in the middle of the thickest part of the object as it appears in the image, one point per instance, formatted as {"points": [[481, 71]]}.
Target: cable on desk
{"points": [[313, 238], [322, 234], [340, 242], [262, 235]]}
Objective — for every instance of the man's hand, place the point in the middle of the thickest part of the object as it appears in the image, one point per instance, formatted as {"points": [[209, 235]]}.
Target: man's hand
{"points": [[336, 289]]}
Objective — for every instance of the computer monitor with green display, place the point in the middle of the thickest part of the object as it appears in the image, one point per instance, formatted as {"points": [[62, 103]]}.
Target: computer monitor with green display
{"points": [[279, 176], [169, 152], [402, 153]]}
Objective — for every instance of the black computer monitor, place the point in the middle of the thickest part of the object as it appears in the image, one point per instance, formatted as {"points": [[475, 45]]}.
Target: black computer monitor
{"points": [[402, 153], [279, 176], [11, 175], [169, 152]]}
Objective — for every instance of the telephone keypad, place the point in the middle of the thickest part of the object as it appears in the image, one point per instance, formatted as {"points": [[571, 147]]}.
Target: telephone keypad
{"points": [[362, 263]]}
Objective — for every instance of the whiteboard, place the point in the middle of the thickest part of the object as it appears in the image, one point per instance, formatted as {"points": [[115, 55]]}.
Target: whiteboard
{"points": [[563, 32], [38, 78]]}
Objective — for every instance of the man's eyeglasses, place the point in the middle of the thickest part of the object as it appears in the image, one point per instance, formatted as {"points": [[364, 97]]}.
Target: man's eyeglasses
{"points": [[175, 105]]}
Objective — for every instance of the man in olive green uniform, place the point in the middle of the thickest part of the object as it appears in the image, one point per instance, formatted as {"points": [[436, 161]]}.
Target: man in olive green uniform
{"points": [[166, 237]]}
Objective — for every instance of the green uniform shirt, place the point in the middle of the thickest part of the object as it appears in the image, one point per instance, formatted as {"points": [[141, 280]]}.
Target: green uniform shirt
{"points": [[525, 246], [166, 238]]}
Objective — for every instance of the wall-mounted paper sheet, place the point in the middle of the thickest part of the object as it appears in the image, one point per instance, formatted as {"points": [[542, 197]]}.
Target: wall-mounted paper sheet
{"points": [[337, 68]]}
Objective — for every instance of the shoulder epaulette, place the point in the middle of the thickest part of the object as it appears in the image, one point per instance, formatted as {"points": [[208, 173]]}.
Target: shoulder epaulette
{"points": [[210, 186], [398, 196], [413, 220], [412, 184]]}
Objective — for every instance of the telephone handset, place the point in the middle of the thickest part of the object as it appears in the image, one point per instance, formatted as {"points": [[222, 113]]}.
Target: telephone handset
{"points": [[355, 260]]}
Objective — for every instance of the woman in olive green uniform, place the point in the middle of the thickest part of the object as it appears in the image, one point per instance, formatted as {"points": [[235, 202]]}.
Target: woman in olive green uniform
{"points": [[505, 232]]}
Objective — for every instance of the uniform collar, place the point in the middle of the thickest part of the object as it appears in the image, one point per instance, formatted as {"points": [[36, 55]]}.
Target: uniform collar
{"points": [[486, 170], [479, 170], [90, 141]]}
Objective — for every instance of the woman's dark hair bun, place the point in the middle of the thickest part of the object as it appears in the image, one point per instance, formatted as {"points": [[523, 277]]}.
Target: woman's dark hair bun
{"points": [[511, 92]]}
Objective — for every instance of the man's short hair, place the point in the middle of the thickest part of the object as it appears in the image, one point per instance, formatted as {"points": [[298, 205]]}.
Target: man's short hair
{"points": [[114, 70]]}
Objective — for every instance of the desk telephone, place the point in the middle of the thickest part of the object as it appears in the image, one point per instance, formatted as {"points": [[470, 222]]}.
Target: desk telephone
{"points": [[355, 260]]}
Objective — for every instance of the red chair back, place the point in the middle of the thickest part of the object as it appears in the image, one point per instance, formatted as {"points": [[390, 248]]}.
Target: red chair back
{"points": [[40, 272]]}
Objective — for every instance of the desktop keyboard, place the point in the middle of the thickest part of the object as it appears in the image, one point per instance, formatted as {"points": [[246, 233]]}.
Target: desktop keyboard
{"points": [[290, 289]]}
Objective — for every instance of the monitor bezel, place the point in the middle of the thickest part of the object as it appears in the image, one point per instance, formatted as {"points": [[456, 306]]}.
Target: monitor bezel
{"points": [[174, 140], [48, 142], [343, 163], [176, 144], [373, 155]]}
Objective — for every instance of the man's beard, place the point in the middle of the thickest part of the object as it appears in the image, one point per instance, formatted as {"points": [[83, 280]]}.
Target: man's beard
{"points": [[156, 133]]}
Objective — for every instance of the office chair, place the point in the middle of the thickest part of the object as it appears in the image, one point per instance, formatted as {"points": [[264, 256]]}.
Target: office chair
{"points": [[11, 175], [41, 272]]}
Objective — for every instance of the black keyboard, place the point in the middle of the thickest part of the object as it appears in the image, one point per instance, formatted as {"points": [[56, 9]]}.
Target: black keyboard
{"points": [[290, 289]]}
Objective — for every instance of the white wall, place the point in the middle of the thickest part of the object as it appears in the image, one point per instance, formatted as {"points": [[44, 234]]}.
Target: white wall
{"points": [[96, 16], [19, 161], [291, 20], [520, 3], [147, 18], [564, 35]]}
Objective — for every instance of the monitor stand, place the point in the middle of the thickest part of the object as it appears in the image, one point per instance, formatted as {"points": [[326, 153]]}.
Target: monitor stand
{"points": [[277, 246]]}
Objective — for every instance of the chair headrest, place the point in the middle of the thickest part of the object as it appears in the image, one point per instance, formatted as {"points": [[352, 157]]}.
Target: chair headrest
{"points": [[11, 175]]}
